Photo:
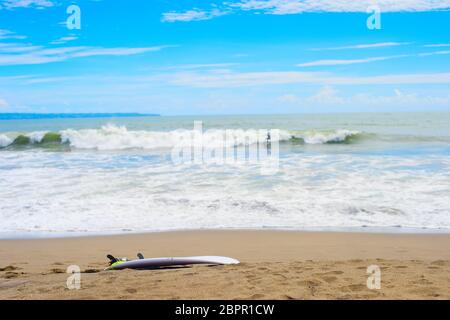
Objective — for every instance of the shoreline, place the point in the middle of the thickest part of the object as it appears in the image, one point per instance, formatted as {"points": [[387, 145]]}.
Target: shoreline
{"points": [[351, 230], [285, 238], [274, 265]]}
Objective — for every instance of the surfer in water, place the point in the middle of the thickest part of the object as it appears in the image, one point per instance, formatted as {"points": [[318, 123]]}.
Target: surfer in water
{"points": [[268, 142]]}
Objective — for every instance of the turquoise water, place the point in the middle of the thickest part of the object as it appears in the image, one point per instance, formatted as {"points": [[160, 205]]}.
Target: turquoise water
{"points": [[431, 124], [386, 171]]}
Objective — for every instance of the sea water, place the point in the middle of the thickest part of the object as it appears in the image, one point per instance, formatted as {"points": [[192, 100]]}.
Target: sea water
{"points": [[364, 172]]}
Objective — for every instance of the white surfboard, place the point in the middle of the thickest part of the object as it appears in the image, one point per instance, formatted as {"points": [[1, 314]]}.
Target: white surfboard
{"points": [[174, 261]]}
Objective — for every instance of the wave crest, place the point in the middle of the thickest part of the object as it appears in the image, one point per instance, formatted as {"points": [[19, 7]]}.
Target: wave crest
{"points": [[337, 136], [112, 137], [5, 141]]}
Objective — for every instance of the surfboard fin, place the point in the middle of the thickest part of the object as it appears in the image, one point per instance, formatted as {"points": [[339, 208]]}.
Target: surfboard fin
{"points": [[112, 259], [140, 255]]}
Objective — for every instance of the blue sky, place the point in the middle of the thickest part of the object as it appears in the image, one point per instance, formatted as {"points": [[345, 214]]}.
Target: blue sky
{"points": [[224, 57]]}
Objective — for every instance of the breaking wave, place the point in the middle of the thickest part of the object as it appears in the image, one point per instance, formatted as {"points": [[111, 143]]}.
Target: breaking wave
{"points": [[4, 141], [111, 137]]}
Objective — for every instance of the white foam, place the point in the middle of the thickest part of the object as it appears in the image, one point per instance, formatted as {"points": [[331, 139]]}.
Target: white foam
{"points": [[89, 192], [312, 137], [5, 141], [36, 136], [111, 137]]}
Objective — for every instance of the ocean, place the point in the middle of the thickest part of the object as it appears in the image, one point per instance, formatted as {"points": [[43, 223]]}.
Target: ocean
{"points": [[377, 172]]}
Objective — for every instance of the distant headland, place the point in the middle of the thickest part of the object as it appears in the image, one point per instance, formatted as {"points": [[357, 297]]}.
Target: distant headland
{"points": [[24, 116]]}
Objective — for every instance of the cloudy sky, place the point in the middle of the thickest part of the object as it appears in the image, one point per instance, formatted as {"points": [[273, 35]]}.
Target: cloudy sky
{"points": [[224, 57]]}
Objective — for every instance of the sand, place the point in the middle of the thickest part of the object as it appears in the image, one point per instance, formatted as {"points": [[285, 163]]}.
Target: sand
{"points": [[274, 265]]}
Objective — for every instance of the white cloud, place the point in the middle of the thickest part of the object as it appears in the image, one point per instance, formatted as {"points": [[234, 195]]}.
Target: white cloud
{"points": [[441, 52], [39, 4], [230, 79], [191, 15], [203, 66], [236, 79], [282, 7], [326, 95], [364, 46], [329, 96], [64, 40], [233, 79], [92, 51], [51, 80], [438, 45], [16, 48], [6, 34], [334, 62], [289, 99], [399, 98], [300, 6], [3, 104], [424, 78], [24, 54]]}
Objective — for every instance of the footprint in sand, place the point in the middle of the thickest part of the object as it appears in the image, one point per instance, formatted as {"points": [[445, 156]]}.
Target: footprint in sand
{"points": [[288, 297], [356, 260], [9, 268], [335, 272], [329, 279], [43, 290], [11, 275], [263, 269], [56, 270], [329, 276], [91, 271], [309, 283], [423, 282], [257, 296], [131, 290], [362, 268], [441, 263], [356, 287], [12, 283]]}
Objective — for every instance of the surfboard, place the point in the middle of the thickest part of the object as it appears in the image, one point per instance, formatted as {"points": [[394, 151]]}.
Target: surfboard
{"points": [[171, 261]]}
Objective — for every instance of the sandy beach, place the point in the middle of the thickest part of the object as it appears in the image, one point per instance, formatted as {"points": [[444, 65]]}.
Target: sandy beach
{"points": [[274, 265], [309, 140]]}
